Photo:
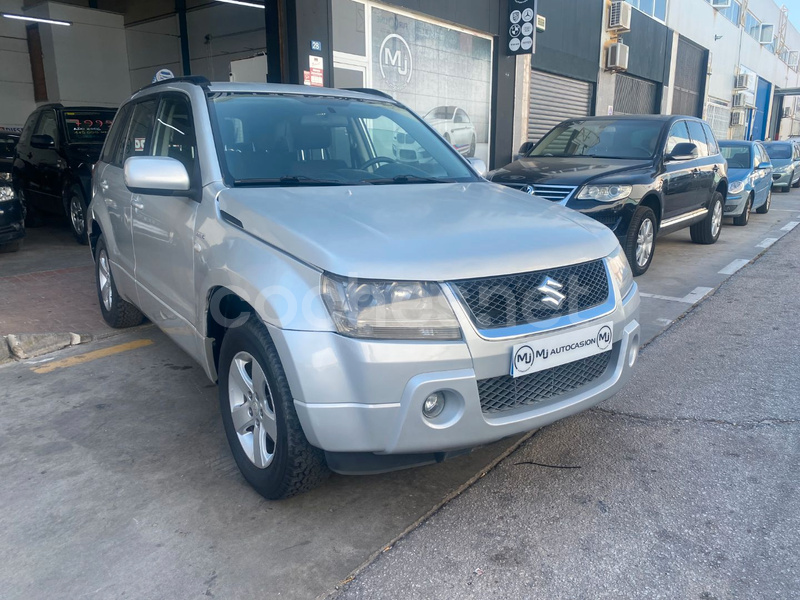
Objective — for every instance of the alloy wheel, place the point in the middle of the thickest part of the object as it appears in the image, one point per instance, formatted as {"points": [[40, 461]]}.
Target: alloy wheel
{"points": [[716, 219], [104, 279], [76, 214], [644, 242], [252, 409]]}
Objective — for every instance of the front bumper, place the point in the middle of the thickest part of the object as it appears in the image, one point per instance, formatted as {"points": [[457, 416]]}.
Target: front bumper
{"points": [[782, 180], [734, 203], [365, 396], [11, 225]]}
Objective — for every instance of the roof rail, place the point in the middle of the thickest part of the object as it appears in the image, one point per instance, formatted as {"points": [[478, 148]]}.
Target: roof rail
{"points": [[372, 91], [195, 79]]}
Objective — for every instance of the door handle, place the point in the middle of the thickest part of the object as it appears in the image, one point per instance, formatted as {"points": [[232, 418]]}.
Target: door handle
{"points": [[104, 185], [137, 204]]}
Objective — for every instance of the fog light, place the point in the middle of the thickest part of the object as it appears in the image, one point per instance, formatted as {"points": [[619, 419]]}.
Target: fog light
{"points": [[434, 405]]}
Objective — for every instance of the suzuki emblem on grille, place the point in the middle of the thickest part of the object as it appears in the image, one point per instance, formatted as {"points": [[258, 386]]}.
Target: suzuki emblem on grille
{"points": [[552, 292], [529, 190]]}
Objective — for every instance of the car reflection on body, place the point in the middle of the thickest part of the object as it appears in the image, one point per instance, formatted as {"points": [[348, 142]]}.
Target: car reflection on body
{"points": [[455, 126]]}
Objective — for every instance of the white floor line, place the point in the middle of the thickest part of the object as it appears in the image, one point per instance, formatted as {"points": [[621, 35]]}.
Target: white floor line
{"points": [[767, 242], [790, 225], [692, 297], [734, 266]]}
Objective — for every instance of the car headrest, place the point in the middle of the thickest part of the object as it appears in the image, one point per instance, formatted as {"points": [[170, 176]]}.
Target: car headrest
{"points": [[310, 137]]}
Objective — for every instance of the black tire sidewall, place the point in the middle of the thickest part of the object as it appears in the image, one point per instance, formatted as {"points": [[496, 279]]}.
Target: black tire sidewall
{"points": [[266, 481], [642, 213]]}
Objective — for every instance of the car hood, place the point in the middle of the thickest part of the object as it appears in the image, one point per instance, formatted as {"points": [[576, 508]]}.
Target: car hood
{"points": [[562, 171], [433, 232], [738, 174]]}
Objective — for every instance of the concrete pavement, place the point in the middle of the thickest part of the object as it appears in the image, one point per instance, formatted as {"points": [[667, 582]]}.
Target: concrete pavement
{"points": [[682, 486]]}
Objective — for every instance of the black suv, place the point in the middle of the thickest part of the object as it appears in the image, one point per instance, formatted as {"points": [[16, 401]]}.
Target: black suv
{"points": [[53, 163], [642, 176], [12, 229]]}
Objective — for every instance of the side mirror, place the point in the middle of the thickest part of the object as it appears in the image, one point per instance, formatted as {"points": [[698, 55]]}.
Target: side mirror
{"points": [[478, 165], [525, 148], [156, 175], [682, 151], [42, 142], [764, 166]]}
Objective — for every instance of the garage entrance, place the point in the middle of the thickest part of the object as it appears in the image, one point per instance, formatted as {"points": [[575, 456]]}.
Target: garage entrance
{"points": [[690, 78], [634, 96], [554, 99]]}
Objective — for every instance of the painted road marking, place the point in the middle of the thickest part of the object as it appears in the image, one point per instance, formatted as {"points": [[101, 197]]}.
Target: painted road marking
{"points": [[734, 266], [692, 297], [766, 243], [90, 356], [790, 225]]}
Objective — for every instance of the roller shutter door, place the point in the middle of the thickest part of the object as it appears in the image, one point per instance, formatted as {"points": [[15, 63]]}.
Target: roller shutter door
{"points": [[690, 78], [554, 99], [634, 96]]}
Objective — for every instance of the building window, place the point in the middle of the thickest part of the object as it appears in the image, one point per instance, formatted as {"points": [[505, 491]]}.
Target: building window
{"points": [[733, 12], [654, 8], [752, 26]]}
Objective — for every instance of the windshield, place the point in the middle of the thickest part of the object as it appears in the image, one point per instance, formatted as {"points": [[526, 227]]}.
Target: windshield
{"points": [[87, 126], [273, 139], [779, 151], [737, 155], [7, 145], [606, 138]]}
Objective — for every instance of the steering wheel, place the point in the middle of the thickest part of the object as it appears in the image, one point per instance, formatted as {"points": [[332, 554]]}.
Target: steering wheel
{"points": [[376, 161]]}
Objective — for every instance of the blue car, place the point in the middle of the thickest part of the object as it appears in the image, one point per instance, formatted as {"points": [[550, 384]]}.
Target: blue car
{"points": [[749, 179], [785, 158]]}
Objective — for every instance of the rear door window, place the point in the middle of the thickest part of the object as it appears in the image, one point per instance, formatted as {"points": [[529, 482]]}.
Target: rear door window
{"points": [[47, 125], [140, 133], [116, 136], [698, 137]]}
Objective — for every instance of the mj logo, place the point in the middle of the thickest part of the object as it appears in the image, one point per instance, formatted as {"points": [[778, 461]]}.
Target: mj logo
{"points": [[395, 62]]}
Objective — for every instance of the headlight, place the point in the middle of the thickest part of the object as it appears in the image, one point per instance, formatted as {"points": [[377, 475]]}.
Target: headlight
{"points": [[604, 193], [389, 310], [5, 176], [621, 271], [6, 193], [736, 187]]}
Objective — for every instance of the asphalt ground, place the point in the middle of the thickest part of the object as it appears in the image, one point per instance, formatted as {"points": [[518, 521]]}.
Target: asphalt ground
{"points": [[117, 481], [683, 486]]}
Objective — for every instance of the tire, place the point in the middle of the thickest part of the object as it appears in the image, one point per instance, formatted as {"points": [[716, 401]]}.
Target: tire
{"points": [[283, 463], [764, 208], [707, 231], [796, 184], [472, 145], [640, 241], [10, 247], [117, 312], [76, 213], [744, 218]]}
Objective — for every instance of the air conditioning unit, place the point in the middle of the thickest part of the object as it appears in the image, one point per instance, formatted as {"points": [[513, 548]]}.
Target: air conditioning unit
{"points": [[739, 100], [721, 3], [617, 59], [737, 118], [619, 17], [766, 33], [744, 81]]}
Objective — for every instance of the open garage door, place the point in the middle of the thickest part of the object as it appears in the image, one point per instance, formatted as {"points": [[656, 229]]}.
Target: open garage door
{"points": [[554, 99]]}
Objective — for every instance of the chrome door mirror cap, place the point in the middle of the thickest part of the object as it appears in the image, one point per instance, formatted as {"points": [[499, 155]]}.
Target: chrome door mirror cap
{"points": [[154, 174], [478, 165]]}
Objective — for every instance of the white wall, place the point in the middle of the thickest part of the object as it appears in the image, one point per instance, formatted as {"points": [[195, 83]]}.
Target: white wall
{"points": [[16, 83], [153, 46], [87, 63]]}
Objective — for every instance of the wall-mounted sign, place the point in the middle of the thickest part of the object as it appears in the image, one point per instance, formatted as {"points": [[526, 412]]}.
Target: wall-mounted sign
{"points": [[315, 71], [521, 26], [395, 61], [163, 75]]}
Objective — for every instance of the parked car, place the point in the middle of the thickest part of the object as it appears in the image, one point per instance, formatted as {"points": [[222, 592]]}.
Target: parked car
{"points": [[455, 126], [12, 227], [785, 158], [749, 179], [642, 176], [360, 314], [53, 163]]}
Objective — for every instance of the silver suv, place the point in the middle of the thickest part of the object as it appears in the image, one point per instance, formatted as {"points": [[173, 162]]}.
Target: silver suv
{"points": [[359, 313]]}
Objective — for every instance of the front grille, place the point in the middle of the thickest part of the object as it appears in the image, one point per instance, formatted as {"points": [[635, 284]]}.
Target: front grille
{"points": [[554, 193], [515, 300], [506, 392]]}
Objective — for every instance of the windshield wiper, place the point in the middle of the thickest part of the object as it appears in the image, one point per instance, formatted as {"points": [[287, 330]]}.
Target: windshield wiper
{"points": [[406, 179], [287, 180]]}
